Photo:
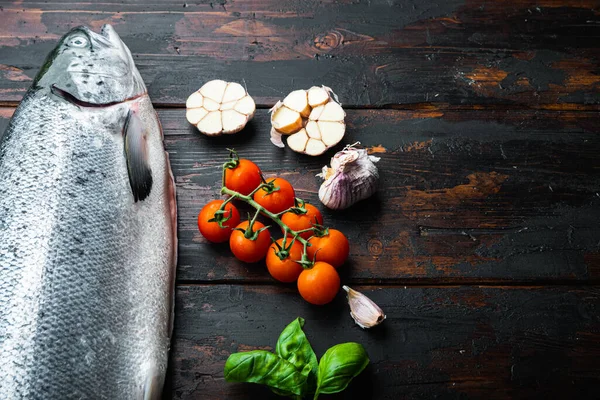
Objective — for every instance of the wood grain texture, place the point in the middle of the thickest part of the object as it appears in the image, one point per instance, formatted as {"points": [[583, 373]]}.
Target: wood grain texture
{"points": [[485, 116], [442, 342], [372, 53], [480, 196]]}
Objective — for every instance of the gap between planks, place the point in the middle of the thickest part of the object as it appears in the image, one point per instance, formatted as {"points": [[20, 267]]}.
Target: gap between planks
{"points": [[421, 283], [570, 107]]}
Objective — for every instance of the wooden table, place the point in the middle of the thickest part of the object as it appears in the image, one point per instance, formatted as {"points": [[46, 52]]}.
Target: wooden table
{"points": [[483, 243]]}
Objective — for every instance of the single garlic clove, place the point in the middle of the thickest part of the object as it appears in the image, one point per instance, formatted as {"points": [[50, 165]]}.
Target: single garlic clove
{"points": [[335, 132], [286, 120], [214, 90], [211, 105], [298, 101], [194, 101], [194, 115], [233, 92], [316, 113], [231, 120], [211, 124], [363, 310], [298, 141], [315, 147], [317, 96], [246, 106], [313, 131], [332, 111]]}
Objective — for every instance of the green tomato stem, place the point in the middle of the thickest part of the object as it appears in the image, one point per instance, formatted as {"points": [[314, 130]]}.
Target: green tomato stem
{"points": [[260, 209]]}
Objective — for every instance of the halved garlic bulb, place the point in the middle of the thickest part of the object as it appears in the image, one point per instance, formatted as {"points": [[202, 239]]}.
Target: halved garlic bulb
{"points": [[220, 107], [312, 118]]}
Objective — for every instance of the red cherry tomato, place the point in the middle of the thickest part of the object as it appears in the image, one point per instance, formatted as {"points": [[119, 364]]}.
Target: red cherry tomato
{"points": [[244, 178], [332, 248], [248, 250], [320, 284], [211, 230], [278, 200], [286, 270], [299, 222]]}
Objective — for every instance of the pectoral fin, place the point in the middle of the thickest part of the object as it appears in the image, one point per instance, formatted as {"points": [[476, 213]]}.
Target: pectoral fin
{"points": [[136, 153]]}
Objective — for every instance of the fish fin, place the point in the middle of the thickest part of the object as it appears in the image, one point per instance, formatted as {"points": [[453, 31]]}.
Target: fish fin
{"points": [[153, 387], [172, 201], [136, 154]]}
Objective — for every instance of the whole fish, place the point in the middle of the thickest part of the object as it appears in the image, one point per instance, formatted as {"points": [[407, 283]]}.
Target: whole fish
{"points": [[87, 231]]}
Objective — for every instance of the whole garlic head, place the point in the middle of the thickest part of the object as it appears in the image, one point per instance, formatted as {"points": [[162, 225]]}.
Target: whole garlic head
{"points": [[352, 177]]}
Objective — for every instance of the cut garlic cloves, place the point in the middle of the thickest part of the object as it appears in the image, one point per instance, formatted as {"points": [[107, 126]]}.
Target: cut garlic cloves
{"points": [[220, 107], [363, 310], [313, 119]]}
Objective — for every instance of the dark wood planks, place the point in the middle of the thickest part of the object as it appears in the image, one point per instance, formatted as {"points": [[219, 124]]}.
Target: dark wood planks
{"points": [[441, 342], [476, 196], [372, 53]]}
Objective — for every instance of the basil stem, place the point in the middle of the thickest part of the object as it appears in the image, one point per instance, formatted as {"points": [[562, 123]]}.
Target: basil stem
{"points": [[338, 366], [263, 367]]}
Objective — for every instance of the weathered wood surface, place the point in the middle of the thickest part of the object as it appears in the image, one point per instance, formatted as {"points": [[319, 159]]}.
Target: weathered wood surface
{"points": [[372, 53], [485, 116], [437, 342], [476, 196]]}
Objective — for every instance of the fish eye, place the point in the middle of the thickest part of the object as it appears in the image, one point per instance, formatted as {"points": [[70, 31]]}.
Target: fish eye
{"points": [[78, 41]]}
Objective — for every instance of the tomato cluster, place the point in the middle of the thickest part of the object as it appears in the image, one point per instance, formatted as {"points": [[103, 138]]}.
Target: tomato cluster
{"points": [[307, 254]]}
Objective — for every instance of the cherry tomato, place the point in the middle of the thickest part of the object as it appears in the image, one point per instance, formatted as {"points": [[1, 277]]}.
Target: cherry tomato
{"points": [[211, 230], [286, 270], [299, 222], [278, 200], [248, 250], [244, 178], [332, 248], [320, 284]]}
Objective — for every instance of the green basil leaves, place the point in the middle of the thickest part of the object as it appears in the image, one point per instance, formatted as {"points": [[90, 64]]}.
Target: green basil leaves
{"points": [[293, 346], [293, 371], [260, 366], [339, 365]]}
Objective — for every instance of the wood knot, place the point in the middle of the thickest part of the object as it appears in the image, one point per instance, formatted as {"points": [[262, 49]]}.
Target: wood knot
{"points": [[326, 42], [375, 247]]}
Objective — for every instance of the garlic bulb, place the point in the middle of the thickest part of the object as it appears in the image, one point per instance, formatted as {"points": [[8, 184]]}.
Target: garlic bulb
{"points": [[363, 310], [352, 177], [220, 107], [312, 119]]}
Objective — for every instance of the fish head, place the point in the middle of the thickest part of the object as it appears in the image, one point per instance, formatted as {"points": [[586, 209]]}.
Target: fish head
{"points": [[91, 68]]}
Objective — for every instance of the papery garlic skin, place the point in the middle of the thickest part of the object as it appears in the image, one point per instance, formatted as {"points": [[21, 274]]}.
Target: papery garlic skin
{"points": [[276, 138], [352, 177], [363, 310]]}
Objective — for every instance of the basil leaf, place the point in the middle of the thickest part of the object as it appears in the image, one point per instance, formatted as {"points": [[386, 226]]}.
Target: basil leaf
{"points": [[285, 394], [294, 347], [339, 365], [260, 366]]}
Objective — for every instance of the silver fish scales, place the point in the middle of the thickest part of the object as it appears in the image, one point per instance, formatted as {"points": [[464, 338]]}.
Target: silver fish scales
{"points": [[87, 231]]}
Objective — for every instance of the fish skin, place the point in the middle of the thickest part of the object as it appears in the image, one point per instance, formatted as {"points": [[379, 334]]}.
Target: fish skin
{"points": [[86, 273]]}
